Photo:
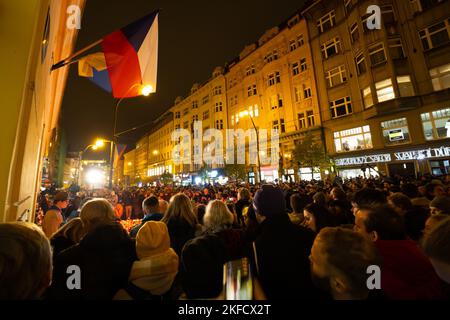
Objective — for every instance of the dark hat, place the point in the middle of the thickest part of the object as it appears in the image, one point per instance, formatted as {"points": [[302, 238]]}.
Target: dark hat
{"points": [[442, 203], [269, 201], [60, 197]]}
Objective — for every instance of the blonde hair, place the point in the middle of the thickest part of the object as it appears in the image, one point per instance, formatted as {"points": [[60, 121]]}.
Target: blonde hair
{"points": [[72, 230], [180, 207], [96, 212], [217, 215], [25, 261]]}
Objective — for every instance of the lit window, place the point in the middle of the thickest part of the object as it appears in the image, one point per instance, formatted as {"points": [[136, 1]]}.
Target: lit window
{"points": [[436, 124], [326, 22], [440, 77], [405, 86], [395, 131], [385, 90], [367, 96], [353, 139], [341, 107]]}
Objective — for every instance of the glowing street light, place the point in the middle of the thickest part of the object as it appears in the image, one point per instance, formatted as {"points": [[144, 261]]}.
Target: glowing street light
{"points": [[146, 90], [100, 143], [155, 152]]}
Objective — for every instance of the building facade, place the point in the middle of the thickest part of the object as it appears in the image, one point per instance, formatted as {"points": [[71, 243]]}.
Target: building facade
{"points": [[384, 93]]}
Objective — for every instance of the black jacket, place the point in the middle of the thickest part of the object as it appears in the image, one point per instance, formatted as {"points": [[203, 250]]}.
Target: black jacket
{"points": [[149, 217], [104, 256], [282, 255], [180, 232]]}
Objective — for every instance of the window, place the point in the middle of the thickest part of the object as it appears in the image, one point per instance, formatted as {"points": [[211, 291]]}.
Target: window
{"points": [[219, 124], [45, 37], [186, 124], [301, 121], [280, 101], [195, 117], [336, 76], [177, 126], [205, 100], [387, 14], [283, 128], [218, 106], [435, 35], [341, 107], [326, 22], [396, 49], [348, 5], [185, 111], [295, 69], [311, 121], [297, 94], [217, 90], [405, 86], [206, 115], [272, 56], [274, 78], [275, 125], [353, 139], [395, 132], [303, 65], [194, 104], [293, 45], [436, 124], [377, 54], [367, 97], [440, 77], [250, 70], [300, 40], [330, 48], [385, 90], [307, 93], [251, 90], [354, 33], [276, 102], [360, 64], [177, 115], [233, 100]]}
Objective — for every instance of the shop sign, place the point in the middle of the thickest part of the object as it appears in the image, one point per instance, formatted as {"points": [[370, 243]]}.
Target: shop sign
{"points": [[423, 154], [375, 158], [396, 135]]}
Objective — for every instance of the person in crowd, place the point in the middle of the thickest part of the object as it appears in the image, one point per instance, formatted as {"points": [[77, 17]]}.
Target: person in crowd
{"points": [[339, 206], [437, 248], [321, 199], [53, 218], [181, 222], [298, 203], [340, 259], [203, 257], [434, 189], [440, 205], [151, 276], [244, 201], [412, 192], [104, 257], [405, 272], [200, 212], [367, 198], [150, 206], [73, 210], [137, 200], [163, 205], [281, 250], [25, 261], [400, 203], [127, 200], [317, 217], [68, 235], [431, 222]]}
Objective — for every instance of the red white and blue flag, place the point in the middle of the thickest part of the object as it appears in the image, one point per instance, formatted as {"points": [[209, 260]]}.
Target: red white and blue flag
{"points": [[128, 63]]}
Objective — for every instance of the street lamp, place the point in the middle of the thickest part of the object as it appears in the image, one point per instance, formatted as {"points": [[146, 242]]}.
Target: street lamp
{"points": [[80, 157], [244, 114], [100, 143]]}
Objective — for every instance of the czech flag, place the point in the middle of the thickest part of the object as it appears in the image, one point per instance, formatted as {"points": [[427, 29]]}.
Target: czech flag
{"points": [[128, 63]]}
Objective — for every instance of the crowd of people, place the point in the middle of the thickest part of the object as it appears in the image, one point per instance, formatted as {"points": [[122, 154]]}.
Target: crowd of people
{"points": [[307, 240]]}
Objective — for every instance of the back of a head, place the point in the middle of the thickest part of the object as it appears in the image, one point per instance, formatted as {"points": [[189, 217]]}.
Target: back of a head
{"points": [[96, 212], [321, 215], [437, 243], [244, 194], [349, 254], [180, 208], [72, 230], [217, 215], [298, 202], [150, 205], [442, 203], [25, 261], [163, 205], [368, 197], [201, 209], [339, 194], [320, 198], [410, 190], [386, 222], [269, 201], [400, 201]]}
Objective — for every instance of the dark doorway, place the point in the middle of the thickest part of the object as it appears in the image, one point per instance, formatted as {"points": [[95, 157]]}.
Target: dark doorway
{"points": [[406, 169]]}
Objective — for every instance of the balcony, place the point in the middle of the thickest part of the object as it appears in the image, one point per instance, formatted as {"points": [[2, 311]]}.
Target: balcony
{"points": [[392, 106]]}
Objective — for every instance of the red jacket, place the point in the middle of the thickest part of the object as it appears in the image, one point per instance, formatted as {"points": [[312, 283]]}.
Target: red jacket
{"points": [[406, 273]]}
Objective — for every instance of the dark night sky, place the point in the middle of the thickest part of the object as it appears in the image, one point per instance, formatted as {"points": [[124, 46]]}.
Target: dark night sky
{"points": [[194, 37]]}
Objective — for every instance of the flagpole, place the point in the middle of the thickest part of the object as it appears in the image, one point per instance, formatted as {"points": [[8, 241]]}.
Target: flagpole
{"points": [[67, 61]]}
